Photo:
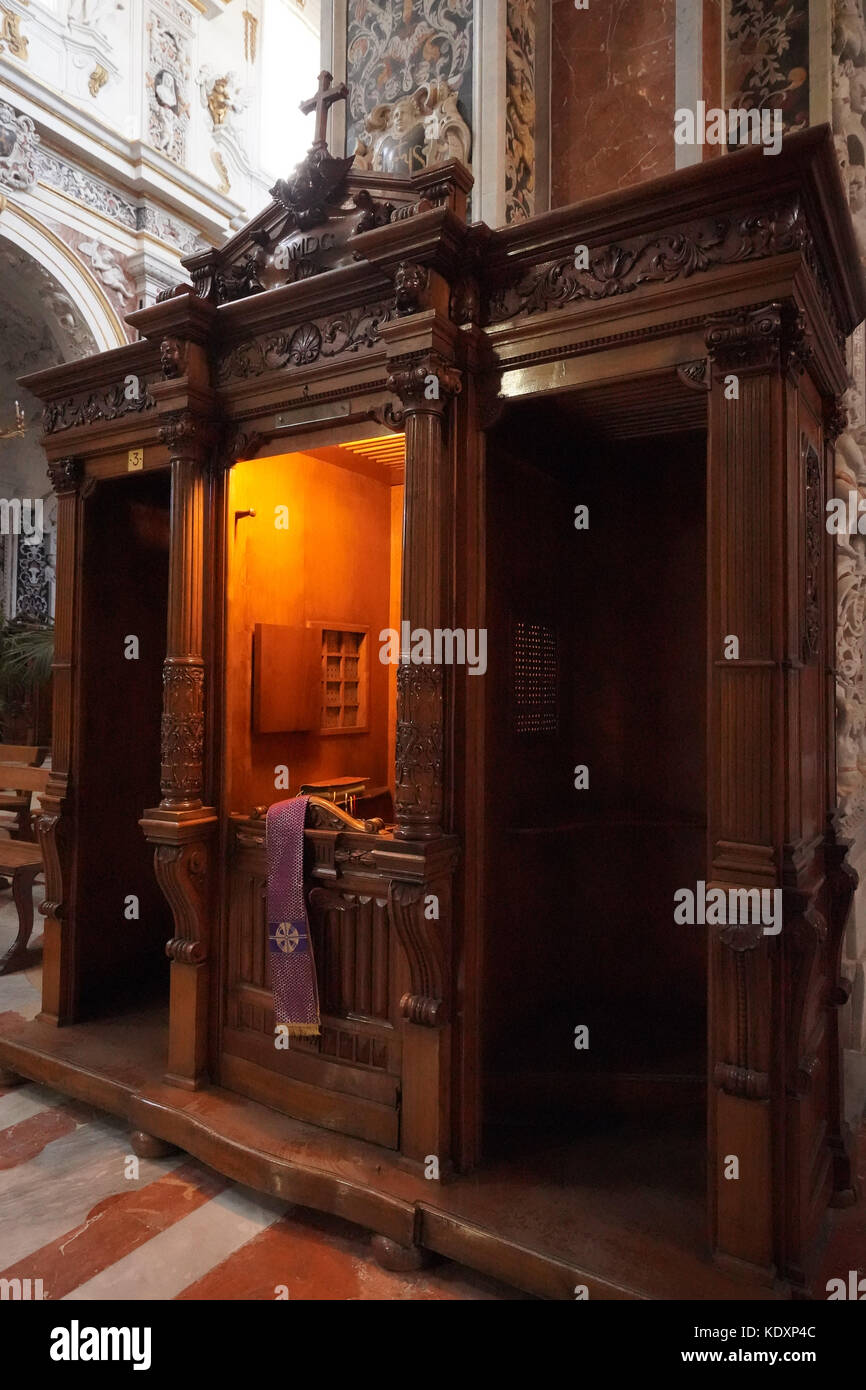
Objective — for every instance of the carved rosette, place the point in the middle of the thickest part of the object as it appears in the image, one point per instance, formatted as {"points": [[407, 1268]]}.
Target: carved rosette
{"points": [[419, 794], [762, 338], [182, 731]]}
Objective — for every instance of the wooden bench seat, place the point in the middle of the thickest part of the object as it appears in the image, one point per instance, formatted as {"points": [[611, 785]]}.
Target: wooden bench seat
{"points": [[20, 862]]}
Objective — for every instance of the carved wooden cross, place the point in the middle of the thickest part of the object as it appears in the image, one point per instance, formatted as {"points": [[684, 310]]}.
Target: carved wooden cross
{"points": [[322, 102]]}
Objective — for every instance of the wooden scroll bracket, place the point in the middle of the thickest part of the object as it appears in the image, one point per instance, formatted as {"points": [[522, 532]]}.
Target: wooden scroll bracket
{"points": [[182, 864]]}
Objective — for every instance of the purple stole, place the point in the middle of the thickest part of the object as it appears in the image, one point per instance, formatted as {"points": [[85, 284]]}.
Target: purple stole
{"points": [[293, 970]]}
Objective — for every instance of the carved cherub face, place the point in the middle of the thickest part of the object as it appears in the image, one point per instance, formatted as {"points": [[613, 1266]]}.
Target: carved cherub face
{"points": [[406, 112], [858, 91]]}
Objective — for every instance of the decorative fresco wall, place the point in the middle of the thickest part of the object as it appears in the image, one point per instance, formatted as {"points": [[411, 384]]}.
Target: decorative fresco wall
{"points": [[520, 110], [167, 78], [397, 47], [849, 126], [767, 58]]}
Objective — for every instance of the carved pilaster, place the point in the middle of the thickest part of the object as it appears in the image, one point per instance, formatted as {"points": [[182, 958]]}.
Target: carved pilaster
{"points": [[181, 828], [420, 749], [425, 383], [183, 718], [741, 1069], [182, 770], [53, 825], [814, 552]]}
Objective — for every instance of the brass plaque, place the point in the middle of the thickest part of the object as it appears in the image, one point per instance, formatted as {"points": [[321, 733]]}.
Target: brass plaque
{"points": [[309, 414], [135, 461]]}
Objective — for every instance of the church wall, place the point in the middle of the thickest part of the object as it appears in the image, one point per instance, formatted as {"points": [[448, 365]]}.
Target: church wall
{"points": [[613, 85], [767, 58], [848, 113]]}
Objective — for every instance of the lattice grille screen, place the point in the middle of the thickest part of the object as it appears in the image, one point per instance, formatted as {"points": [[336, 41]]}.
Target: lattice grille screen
{"points": [[343, 680], [534, 672]]}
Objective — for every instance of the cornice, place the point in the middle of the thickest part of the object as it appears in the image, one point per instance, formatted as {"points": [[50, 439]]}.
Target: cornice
{"points": [[89, 373], [806, 168]]}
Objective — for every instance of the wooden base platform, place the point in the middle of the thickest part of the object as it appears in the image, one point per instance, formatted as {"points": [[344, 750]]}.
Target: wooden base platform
{"points": [[619, 1209]]}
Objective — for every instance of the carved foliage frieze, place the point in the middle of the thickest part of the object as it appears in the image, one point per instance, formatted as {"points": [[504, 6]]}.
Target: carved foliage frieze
{"points": [[110, 403], [621, 268], [353, 330]]}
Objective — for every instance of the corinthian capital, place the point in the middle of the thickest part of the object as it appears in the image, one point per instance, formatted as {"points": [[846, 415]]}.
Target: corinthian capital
{"points": [[66, 475], [187, 435], [767, 336], [424, 383]]}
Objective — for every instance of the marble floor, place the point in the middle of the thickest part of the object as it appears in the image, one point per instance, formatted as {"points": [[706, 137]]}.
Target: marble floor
{"points": [[80, 1213]]}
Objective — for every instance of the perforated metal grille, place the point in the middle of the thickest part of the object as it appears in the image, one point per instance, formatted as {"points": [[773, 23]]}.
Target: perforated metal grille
{"points": [[534, 668]]}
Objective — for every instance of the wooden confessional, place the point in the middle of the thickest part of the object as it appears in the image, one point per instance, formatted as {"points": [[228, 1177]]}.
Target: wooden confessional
{"points": [[360, 413]]}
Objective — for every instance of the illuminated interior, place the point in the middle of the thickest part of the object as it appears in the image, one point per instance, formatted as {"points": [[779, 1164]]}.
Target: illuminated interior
{"points": [[314, 557]]}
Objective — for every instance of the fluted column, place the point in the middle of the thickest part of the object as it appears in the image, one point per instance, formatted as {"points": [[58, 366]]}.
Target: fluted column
{"points": [[425, 384], [182, 828], [182, 774]]}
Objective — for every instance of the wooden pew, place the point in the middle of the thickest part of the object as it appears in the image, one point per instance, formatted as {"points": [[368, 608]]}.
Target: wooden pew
{"points": [[21, 861], [14, 797]]}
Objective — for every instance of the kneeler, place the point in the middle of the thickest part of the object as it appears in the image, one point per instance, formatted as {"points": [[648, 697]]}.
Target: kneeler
{"points": [[293, 969]]}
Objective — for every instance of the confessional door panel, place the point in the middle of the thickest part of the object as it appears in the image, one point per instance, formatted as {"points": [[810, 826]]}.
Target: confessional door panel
{"points": [[120, 947], [597, 726], [348, 1078]]}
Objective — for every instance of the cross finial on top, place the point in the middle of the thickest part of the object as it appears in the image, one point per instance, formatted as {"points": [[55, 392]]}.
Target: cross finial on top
{"points": [[322, 102]]}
